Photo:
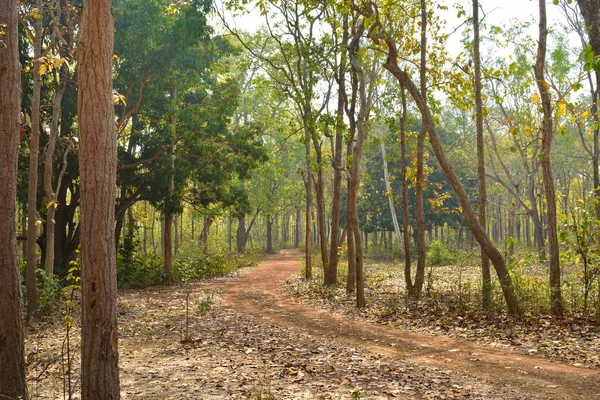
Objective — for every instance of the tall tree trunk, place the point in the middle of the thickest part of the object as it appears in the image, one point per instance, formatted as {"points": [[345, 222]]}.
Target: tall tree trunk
{"points": [[337, 160], [34, 149], [486, 281], [420, 274], [48, 169], [353, 224], [495, 256], [13, 383], [168, 238], [308, 188], [98, 172], [405, 212], [547, 135]]}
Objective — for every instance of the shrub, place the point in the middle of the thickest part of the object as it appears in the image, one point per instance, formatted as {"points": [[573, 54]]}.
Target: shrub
{"points": [[438, 254]]}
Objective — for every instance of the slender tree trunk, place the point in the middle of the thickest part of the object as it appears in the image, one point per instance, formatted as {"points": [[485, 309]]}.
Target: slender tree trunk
{"points": [[547, 134], [34, 149], [479, 233], [405, 211], [168, 232], [308, 235], [486, 283], [337, 160], [98, 172], [13, 383], [419, 187], [48, 168], [353, 224]]}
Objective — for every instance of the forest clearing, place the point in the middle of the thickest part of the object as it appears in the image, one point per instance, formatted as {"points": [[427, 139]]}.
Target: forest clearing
{"points": [[297, 199]]}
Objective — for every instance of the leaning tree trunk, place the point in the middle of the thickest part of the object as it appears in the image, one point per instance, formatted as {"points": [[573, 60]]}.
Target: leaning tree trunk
{"points": [[547, 133], [13, 383], [481, 236], [486, 283], [98, 172]]}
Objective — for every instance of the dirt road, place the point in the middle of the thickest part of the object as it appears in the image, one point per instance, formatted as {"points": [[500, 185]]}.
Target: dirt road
{"points": [[495, 372]]}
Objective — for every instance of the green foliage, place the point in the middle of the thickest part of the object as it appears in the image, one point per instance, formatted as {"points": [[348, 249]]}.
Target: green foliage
{"points": [[201, 266], [138, 270], [50, 293], [580, 234], [439, 254], [531, 284]]}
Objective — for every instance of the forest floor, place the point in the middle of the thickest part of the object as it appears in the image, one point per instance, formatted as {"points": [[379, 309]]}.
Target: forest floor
{"points": [[247, 337]]}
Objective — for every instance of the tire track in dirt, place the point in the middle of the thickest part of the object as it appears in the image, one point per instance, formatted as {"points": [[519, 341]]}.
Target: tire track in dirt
{"points": [[258, 294]]}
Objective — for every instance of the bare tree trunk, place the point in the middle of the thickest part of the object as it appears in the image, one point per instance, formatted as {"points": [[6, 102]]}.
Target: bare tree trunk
{"points": [[486, 284], [308, 236], [405, 225], [13, 383], [98, 171], [547, 135], [34, 149], [353, 224], [168, 235], [420, 211]]}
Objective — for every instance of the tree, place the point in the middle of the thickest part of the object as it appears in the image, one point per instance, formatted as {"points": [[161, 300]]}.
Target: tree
{"points": [[13, 384], [34, 148], [382, 36], [485, 262], [547, 136], [98, 171]]}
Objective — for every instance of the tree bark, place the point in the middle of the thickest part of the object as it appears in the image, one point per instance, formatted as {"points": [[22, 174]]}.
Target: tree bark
{"points": [[168, 238], [98, 171], [13, 384], [405, 225], [420, 210], [32, 186], [337, 160], [486, 281], [547, 136], [308, 235], [353, 224]]}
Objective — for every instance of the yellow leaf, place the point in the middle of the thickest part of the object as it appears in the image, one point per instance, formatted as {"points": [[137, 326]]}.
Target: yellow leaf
{"points": [[562, 106], [590, 132], [536, 98], [528, 130], [585, 114], [581, 202], [43, 69]]}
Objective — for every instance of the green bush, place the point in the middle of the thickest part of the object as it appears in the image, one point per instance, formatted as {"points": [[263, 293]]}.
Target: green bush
{"points": [[439, 254]]}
